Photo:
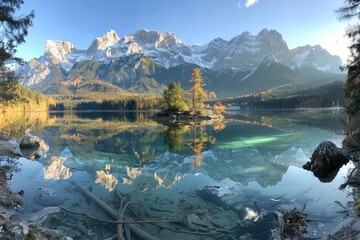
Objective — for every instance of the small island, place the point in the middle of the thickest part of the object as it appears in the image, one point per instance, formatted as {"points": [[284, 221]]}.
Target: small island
{"points": [[179, 105]]}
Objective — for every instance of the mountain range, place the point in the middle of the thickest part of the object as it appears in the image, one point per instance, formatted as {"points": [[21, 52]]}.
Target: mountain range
{"points": [[147, 61]]}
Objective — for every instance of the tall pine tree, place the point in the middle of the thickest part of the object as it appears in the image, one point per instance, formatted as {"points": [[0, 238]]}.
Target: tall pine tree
{"points": [[13, 30], [351, 10]]}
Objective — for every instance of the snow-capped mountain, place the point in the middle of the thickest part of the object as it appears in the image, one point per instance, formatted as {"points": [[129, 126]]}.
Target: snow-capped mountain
{"points": [[246, 51], [243, 53], [316, 57]]}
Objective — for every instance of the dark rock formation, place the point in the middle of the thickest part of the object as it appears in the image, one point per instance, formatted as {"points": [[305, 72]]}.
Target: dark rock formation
{"points": [[29, 142], [325, 161], [29, 145]]}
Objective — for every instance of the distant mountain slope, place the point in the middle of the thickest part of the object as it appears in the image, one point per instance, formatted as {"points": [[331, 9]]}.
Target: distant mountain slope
{"points": [[328, 95], [145, 62]]}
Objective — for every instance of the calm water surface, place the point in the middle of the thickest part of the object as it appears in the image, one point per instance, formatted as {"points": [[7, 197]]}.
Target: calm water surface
{"points": [[253, 161]]}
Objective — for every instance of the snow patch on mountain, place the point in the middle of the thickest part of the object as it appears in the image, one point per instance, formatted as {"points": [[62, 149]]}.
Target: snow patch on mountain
{"points": [[315, 57], [56, 51], [299, 58], [244, 52], [31, 72]]}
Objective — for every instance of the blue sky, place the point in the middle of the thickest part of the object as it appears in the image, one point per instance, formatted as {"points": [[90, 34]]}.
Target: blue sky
{"points": [[193, 21]]}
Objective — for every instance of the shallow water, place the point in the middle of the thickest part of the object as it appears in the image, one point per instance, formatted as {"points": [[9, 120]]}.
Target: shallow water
{"points": [[253, 158]]}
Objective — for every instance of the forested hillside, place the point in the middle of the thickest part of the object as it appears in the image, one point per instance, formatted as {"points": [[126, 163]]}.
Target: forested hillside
{"points": [[329, 95], [15, 97]]}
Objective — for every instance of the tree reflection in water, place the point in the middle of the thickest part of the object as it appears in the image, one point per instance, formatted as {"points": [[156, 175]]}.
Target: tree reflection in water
{"points": [[194, 135]]}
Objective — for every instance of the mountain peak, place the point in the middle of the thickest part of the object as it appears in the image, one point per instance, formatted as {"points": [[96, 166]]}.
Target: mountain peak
{"points": [[52, 45], [245, 36], [269, 34], [155, 38], [56, 50], [108, 39], [264, 32], [145, 36]]}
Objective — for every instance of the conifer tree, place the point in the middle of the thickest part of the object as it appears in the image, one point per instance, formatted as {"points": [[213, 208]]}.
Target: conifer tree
{"points": [[174, 98], [351, 10], [13, 31], [198, 94]]}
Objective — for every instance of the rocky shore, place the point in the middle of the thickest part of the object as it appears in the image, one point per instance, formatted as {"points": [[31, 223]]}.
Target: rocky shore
{"points": [[325, 163], [11, 202], [186, 116]]}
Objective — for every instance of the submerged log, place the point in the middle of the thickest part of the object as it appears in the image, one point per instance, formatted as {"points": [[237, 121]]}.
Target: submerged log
{"points": [[325, 160], [137, 231]]}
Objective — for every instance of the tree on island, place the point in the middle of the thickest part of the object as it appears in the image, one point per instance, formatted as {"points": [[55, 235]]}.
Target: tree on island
{"points": [[13, 31], [175, 105], [174, 98], [198, 94]]}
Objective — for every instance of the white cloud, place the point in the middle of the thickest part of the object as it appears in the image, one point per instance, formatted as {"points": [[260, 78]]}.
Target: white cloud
{"points": [[249, 3], [246, 3]]}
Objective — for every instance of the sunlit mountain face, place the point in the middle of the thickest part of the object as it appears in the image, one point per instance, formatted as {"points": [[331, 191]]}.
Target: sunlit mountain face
{"points": [[147, 61]]}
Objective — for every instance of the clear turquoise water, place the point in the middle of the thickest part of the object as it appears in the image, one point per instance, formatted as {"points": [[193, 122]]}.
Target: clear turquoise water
{"points": [[255, 160]]}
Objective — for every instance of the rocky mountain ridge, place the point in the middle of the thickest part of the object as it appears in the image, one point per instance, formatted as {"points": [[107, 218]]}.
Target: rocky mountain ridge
{"points": [[133, 61]]}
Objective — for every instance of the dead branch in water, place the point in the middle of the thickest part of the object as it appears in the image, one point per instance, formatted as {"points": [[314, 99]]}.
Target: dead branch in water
{"points": [[196, 232], [137, 231], [122, 209], [115, 222], [346, 209]]}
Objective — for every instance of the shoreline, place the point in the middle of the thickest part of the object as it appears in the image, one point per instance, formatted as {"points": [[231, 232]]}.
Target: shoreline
{"points": [[11, 202]]}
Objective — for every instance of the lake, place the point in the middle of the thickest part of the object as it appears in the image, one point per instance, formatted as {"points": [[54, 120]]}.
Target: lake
{"points": [[252, 161]]}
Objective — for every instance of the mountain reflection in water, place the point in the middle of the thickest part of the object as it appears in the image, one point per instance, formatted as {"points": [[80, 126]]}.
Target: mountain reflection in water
{"points": [[129, 152]]}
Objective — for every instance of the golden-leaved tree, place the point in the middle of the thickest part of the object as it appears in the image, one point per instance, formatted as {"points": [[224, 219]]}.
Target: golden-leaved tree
{"points": [[198, 94]]}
